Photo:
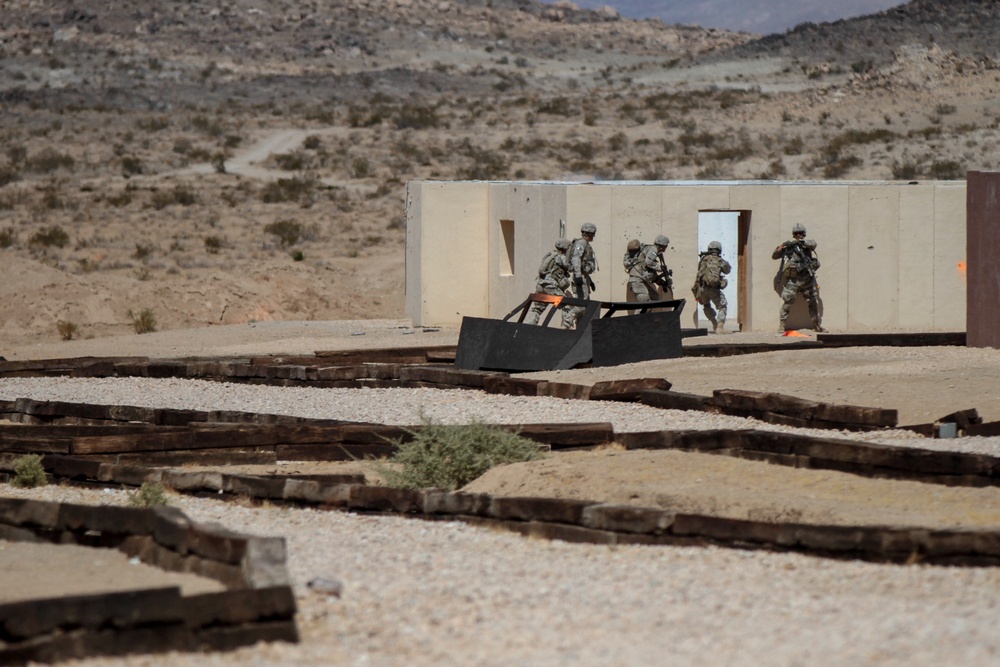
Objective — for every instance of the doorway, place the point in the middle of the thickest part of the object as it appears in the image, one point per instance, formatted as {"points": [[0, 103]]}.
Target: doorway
{"points": [[732, 230]]}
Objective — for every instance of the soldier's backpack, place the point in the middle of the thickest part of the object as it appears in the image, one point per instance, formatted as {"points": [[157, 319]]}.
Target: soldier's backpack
{"points": [[710, 271]]}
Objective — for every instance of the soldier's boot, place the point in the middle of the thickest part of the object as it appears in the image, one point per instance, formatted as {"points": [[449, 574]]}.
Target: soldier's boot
{"points": [[715, 324], [781, 327], [818, 327], [720, 328]]}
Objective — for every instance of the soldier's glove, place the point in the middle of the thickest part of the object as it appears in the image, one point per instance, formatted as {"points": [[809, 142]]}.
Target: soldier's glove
{"points": [[591, 283], [578, 283]]}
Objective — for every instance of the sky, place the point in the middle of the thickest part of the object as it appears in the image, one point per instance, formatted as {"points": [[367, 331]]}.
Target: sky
{"points": [[762, 16]]}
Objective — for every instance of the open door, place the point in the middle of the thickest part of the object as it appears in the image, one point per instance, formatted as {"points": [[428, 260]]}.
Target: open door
{"points": [[732, 230]]}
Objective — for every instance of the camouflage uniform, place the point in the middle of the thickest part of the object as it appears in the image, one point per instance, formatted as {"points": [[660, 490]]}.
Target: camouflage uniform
{"points": [[799, 272], [582, 263], [643, 267], [553, 278], [708, 286]]}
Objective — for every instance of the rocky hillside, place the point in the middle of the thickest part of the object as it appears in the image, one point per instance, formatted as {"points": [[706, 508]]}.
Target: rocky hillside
{"points": [[965, 27]]}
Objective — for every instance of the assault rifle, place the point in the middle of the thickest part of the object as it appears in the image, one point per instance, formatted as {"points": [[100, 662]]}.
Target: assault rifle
{"points": [[663, 278], [798, 249]]}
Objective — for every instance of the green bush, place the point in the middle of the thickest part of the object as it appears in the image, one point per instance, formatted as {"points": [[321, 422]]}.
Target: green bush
{"points": [[144, 321], [450, 456], [67, 330], [8, 237], [28, 472], [150, 494]]}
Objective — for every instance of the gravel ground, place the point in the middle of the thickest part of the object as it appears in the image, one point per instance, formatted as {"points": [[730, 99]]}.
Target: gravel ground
{"points": [[418, 593], [405, 406]]}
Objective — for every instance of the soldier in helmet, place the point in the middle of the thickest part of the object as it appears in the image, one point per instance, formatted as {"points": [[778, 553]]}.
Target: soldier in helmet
{"points": [[645, 271], [582, 263], [709, 282], [798, 267], [553, 278]]}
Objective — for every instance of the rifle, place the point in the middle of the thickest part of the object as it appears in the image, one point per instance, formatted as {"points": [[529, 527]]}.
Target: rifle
{"points": [[798, 249], [664, 276]]}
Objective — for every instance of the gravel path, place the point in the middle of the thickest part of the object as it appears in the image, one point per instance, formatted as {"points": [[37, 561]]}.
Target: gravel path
{"points": [[405, 406], [419, 593]]}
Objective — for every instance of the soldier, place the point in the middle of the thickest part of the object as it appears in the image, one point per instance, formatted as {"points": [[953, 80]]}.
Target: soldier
{"points": [[645, 271], [582, 263], [798, 266], [553, 278], [709, 283]]}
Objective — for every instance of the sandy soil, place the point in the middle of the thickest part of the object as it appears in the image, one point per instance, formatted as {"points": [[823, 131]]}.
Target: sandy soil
{"points": [[29, 571]]}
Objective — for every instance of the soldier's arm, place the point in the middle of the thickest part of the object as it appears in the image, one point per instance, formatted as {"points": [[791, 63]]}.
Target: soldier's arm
{"points": [[779, 251], [726, 267]]}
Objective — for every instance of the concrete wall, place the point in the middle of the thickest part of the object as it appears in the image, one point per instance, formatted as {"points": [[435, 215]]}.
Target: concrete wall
{"points": [[892, 253]]}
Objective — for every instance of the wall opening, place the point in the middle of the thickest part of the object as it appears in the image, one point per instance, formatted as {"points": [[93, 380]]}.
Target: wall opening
{"points": [[507, 261], [732, 230]]}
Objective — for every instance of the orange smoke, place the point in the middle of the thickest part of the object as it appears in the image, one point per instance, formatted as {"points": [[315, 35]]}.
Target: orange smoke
{"points": [[962, 267], [795, 334]]}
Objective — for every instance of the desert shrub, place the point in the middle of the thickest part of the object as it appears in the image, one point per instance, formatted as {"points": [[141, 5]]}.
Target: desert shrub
{"points": [[179, 195], [943, 109], [150, 494], [67, 330], [153, 123], [293, 189], [8, 174], [486, 165], [794, 146], [50, 236], [124, 198], [219, 162], [416, 117], [182, 146], [860, 137], [946, 170], [131, 166], [312, 142], [213, 244], [361, 167], [298, 256], [28, 472], [618, 141], [558, 106], [905, 171], [17, 153], [48, 160], [143, 322], [8, 237], [142, 251], [450, 456], [288, 232], [841, 165], [294, 161]]}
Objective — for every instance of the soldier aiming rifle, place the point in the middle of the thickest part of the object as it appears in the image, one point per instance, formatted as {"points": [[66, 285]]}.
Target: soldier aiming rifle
{"points": [[798, 267]]}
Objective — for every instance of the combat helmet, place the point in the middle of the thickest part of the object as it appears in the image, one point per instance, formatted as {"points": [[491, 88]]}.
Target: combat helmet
{"points": [[634, 245], [563, 244], [661, 240], [798, 228], [588, 228], [715, 246]]}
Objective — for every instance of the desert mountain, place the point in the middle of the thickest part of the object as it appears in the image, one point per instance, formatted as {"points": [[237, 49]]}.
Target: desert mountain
{"points": [[207, 163]]}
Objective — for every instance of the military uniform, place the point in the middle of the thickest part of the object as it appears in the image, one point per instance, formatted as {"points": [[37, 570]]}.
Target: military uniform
{"points": [[709, 284], [799, 265], [582, 263], [553, 278], [643, 267]]}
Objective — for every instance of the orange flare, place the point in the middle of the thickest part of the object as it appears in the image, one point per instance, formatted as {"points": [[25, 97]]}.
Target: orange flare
{"points": [[961, 268], [795, 334]]}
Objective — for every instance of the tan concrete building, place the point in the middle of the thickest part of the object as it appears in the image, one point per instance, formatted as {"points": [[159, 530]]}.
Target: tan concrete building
{"points": [[892, 253]]}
